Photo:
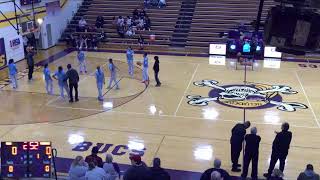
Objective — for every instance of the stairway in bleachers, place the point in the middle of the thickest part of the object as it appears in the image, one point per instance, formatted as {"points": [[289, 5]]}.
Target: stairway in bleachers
{"points": [[183, 24], [214, 16]]}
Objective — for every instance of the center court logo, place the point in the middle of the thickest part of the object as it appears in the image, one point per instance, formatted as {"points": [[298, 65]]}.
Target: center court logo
{"points": [[249, 96]]}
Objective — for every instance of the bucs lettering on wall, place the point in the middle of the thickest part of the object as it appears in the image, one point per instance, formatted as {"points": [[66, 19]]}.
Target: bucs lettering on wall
{"points": [[3, 60], [116, 150]]}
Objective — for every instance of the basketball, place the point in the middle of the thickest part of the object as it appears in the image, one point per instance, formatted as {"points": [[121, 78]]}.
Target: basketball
{"points": [[139, 63]]}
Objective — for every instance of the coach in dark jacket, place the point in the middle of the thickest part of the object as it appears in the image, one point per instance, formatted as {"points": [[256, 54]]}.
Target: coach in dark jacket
{"points": [[30, 62], [157, 172], [251, 153], [280, 148], [216, 167], [73, 77], [156, 69], [237, 137]]}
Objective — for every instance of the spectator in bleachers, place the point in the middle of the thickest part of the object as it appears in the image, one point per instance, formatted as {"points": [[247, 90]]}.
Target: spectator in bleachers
{"points": [[147, 23], [157, 172], [129, 21], [121, 31], [83, 42], [280, 148], [111, 168], [142, 13], [120, 21], [215, 175], [216, 167], [276, 175], [140, 23], [130, 32], [82, 24], [141, 42], [96, 173], [99, 22], [94, 157], [308, 174], [78, 169], [162, 3], [236, 140], [137, 169], [251, 154]]}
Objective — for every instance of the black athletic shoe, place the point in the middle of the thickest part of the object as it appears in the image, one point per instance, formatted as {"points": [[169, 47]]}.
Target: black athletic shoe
{"points": [[266, 175], [77, 100], [71, 101]]}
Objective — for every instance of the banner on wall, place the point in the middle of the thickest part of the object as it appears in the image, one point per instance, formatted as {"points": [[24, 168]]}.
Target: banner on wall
{"points": [[53, 8], [3, 60]]}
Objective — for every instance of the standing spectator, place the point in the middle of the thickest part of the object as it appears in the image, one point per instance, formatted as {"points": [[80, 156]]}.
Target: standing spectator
{"points": [[82, 24], [94, 157], [111, 168], [216, 167], [78, 169], [237, 137], [137, 170], [30, 62], [141, 42], [48, 79], [280, 149], [276, 175], [156, 70], [308, 174], [82, 61], [130, 54], [145, 75], [83, 41], [251, 154], [215, 175], [99, 22], [113, 74], [73, 77], [157, 172], [13, 71], [95, 173], [60, 76], [100, 82]]}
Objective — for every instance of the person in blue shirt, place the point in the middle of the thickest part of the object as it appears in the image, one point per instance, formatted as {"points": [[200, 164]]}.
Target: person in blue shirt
{"points": [[82, 62], [13, 71], [130, 54], [145, 76], [100, 82], [60, 75], [48, 79], [113, 74]]}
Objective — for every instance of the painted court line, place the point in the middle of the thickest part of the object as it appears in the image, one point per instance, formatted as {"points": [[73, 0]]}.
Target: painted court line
{"points": [[184, 93], [86, 109], [309, 104]]}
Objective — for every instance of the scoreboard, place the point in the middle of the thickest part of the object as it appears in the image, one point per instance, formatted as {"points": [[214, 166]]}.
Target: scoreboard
{"points": [[29, 2], [26, 159]]}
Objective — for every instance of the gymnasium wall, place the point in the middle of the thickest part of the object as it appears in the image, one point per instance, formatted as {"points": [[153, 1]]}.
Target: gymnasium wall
{"points": [[58, 21]]}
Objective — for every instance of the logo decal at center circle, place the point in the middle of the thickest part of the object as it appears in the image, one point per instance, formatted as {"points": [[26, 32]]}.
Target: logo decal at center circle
{"points": [[249, 96]]}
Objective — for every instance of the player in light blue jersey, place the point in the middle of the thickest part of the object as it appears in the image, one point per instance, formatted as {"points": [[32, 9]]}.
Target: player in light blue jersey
{"points": [[13, 71], [113, 74], [100, 82], [48, 79], [130, 54]]}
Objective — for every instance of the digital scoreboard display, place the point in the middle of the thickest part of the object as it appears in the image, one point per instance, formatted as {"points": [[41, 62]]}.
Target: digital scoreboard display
{"points": [[26, 159], [29, 2]]}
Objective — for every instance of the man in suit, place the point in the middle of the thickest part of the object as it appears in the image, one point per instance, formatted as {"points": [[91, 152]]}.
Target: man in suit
{"points": [[156, 69], [280, 149], [73, 77], [30, 61], [251, 154], [237, 137]]}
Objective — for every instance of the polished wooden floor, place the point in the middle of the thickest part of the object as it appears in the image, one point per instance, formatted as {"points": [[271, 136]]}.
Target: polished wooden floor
{"points": [[160, 120]]}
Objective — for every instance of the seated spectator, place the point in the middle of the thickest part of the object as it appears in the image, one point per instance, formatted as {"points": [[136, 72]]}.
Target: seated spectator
{"points": [[82, 24], [78, 169], [94, 41], [157, 172], [111, 168], [276, 175], [94, 157], [137, 170], [120, 21], [99, 22], [141, 42], [135, 14], [308, 174], [216, 167], [130, 32], [162, 3], [96, 173], [121, 31], [129, 21], [215, 175], [147, 23], [140, 24], [142, 13]]}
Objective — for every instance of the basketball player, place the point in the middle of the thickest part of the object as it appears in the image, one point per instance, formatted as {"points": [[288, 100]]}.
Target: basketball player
{"points": [[145, 76], [48, 79], [100, 82], [130, 54], [13, 73], [113, 74], [60, 75], [82, 62]]}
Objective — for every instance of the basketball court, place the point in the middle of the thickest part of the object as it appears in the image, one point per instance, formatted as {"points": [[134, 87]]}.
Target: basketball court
{"points": [[173, 122]]}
